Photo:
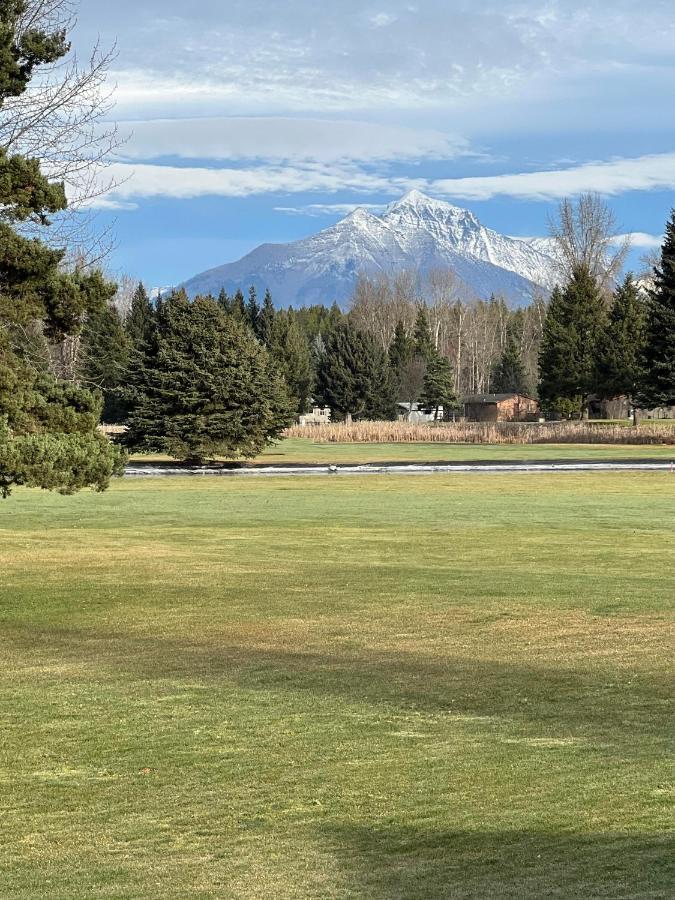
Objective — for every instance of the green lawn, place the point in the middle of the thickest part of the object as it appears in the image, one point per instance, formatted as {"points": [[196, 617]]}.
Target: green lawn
{"points": [[304, 450], [296, 450], [400, 687]]}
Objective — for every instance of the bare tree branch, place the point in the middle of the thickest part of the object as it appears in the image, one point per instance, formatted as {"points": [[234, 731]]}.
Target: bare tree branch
{"points": [[585, 233], [62, 119]]}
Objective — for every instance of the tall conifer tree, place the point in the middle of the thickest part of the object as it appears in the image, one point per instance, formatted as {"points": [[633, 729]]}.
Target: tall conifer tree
{"points": [[570, 346], [622, 348], [658, 387]]}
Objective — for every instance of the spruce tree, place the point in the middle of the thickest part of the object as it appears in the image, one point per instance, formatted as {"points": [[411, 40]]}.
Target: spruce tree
{"points": [[48, 428], [224, 302], [138, 324], [424, 345], [104, 360], [266, 319], [206, 387], [438, 388], [401, 349], [509, 373], [253, 311], [658, 384], [568, 361], [290, 351], [354, 377], [621, 353], [238, 306]]}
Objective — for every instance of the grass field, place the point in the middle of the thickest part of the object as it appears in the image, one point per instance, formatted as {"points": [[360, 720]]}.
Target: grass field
{"points": [[304, 450], [297, 450], [437, 687]]}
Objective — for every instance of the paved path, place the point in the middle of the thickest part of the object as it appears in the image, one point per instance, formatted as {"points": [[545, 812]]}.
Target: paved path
{"points": [[147, 470]]}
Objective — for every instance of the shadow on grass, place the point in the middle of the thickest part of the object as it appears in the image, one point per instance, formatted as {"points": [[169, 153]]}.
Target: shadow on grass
{"points": [[612, 704], [392, 863]]}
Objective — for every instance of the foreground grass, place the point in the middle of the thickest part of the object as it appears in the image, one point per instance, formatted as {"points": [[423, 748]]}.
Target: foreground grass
{"points": [[304, 450], [386, 688]]}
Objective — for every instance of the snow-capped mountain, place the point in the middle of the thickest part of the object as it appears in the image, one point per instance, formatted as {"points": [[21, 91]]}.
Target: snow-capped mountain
{"points": [[417, 233]]}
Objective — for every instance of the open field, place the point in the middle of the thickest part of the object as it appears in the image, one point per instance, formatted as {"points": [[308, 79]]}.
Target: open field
{"points": [[456, 687], [304, 450]]}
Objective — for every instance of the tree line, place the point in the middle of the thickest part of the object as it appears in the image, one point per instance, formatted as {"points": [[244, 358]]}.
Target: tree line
{"points": [[224, 375]]}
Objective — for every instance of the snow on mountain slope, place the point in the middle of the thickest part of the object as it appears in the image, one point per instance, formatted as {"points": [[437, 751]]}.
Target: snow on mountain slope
{"points": [[417, 233]]}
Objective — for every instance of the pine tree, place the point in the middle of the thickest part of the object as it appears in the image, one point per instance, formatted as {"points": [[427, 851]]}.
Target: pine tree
{"points": [[206, 387], [438, 388], [224, 301], [509, 374], [568, 361], [401, 349], [139, 322], [290, 351], [621, 353], [48, 428], [104, 360], [238, 306], [353, 376], [253, 311], [266, 319], [658, 386], [424, 345]]}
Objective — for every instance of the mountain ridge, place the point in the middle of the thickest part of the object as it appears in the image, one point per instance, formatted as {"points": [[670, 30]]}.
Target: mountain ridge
{"points": [[417, 233]]}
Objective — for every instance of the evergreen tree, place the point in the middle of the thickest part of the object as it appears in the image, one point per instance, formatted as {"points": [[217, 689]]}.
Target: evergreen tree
{"points": [[104, 360], [224, 301], [290, 351], [401, 349], [353, 377], [407, 367], [621, 353], [438, 389], [568, 361], [424, 345], [238, 306], [266, 319], [48, 428], [253, 311], [206, 387], [139, 322], [658, 385], [509, 374]]}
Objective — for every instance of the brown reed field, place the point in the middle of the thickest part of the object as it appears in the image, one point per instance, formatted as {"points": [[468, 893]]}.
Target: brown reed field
{"points": [[652, 433]]}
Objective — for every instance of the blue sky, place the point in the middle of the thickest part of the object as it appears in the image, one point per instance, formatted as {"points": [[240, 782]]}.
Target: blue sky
{"points": [[260, 121]]}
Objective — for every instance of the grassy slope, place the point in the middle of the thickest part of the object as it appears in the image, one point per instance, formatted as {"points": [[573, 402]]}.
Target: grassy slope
{"points": [[385, 688]]}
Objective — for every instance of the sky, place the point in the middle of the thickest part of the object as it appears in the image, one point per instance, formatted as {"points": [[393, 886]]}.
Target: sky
{"points": [[252, 121]]}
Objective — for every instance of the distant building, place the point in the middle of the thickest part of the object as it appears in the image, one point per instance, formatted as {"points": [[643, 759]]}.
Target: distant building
{"points": [[500, 408], [411, 412], [320, 415]]}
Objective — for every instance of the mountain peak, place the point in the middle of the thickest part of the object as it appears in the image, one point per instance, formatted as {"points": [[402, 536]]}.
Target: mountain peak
{"points": [[422, 204], [417, 233]]}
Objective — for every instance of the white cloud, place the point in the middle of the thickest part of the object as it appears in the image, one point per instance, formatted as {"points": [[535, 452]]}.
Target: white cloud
{"points": [[277, 138], [304, 56], [135, 181], [328, 209], [640, 240], [656, 172], [618, 176]]}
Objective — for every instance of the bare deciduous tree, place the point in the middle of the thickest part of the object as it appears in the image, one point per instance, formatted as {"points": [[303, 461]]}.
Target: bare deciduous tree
{"points": [[62, 120], [585, 233]]}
